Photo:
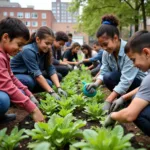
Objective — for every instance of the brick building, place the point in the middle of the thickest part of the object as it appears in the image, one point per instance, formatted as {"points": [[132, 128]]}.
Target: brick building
{"points": [[31, 17], [61, 13]]}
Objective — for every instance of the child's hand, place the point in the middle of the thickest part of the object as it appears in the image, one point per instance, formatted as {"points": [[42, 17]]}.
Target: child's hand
{"points": [[37, 115]]}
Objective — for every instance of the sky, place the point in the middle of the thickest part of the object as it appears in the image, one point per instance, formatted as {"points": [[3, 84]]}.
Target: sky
{"points": [[38, 4]]}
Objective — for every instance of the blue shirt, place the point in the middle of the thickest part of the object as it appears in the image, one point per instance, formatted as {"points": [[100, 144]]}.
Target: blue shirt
{"points": [[30, 61], [97, 57], [123, 65]]}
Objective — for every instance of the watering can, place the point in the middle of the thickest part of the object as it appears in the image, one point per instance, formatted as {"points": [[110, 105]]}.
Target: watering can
{"points": [[86, 93]]}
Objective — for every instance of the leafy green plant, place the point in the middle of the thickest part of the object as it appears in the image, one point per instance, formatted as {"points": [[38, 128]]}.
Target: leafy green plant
{"points": [[10, 142], [58, 131], [94, 111], [99, 97], [49, 106], [64, 112], [78, 100], [105, 139]]}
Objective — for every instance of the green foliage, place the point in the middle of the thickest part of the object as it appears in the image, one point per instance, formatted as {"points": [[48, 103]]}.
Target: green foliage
{"points": [[57, 132], [78, 100], [94, 111], [126, 10], [48, 106], [10, 142], [42, 146], [105, 139], [99, 97]]}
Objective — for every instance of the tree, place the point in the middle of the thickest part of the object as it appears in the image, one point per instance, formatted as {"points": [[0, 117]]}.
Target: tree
{"points": [[128, 11]]}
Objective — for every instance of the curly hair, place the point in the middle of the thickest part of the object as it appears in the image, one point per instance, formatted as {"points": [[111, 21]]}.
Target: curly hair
{"points": [[108, 26]]}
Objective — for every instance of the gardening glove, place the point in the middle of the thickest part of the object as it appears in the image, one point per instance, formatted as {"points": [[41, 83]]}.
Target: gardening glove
{"points": [[116, 104], [70, 67], [109, 122], [55, 95], [62, 92], [107, 105], [79, 63], [91, 87], [34, 100]]}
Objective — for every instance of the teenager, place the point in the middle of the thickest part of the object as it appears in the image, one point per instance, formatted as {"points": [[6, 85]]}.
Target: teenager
{"points": [[70, 56], [13, 35], [33, 65], [117, 71], [138, 50], [62, 67]]}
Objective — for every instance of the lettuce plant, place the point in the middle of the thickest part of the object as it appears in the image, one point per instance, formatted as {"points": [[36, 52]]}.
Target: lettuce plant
{"points": [[10, 142], [78, 100], [57, 132], [105, 139], [64, 112], [94, 111], [48, 106]]}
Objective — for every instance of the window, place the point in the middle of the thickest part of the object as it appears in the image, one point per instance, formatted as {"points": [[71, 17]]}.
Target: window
{"points": [[20, 14], [34, 15], [43, 15], [27, 23], [58, 20], [27, 15], [44, 23], [69, 21], [11, 14], [5, 14], [34, 23]]}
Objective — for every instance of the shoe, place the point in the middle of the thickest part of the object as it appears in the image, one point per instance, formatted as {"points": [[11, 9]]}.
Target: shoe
{"points": [[7, 118]]}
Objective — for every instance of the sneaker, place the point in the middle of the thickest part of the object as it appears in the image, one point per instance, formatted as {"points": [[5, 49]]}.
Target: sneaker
{"points": [[7, 118]]}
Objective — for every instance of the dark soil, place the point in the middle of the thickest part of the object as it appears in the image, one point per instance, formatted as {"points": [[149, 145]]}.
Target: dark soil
{"points": [[24, 120]]}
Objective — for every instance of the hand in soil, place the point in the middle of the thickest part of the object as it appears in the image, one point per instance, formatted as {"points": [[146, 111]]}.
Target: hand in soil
{"points": [[62, 92], [109, 122], [116, 104], [37, 115], [106, 106]]}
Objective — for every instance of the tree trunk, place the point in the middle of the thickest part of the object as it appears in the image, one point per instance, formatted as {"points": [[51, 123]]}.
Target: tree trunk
{"points": [[136, 27], [144, 15]]}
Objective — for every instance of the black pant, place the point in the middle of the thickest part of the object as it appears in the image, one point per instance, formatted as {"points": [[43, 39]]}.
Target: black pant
{"points": [[62, 69]]}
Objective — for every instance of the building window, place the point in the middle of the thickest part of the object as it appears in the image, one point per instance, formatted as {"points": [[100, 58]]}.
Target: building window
{"points": [[34, 23], [20, 14], [11, 14], [34, 15], [44, 23], [43, 15], [5, 14], [69, 21], [58, 20], [27, 15], [27, 23]]}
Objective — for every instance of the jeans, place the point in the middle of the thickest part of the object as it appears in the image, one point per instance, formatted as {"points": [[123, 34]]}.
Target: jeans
{"points": [[62, 69], [4, 103], [31, 83], [143, 120], [113, 78]]}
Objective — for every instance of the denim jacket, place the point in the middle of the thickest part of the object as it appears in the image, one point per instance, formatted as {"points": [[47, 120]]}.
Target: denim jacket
{"points": [[123, 65], [30, 61]]}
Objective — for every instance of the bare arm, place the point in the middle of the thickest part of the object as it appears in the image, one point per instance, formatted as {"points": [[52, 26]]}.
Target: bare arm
{"points": [[70, 62], [129, 95], [130, 113], [55, 80], [43, 83]]}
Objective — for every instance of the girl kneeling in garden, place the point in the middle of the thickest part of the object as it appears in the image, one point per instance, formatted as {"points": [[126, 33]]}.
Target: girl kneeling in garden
{"points": [[138, 50], [117, 71], [33, 65]]}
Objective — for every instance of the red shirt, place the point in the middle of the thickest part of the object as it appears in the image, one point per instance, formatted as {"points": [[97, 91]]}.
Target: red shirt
{"points": [[11, 85]]}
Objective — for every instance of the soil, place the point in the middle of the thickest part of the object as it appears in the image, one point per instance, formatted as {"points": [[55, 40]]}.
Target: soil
{"points": [[24, 120]]}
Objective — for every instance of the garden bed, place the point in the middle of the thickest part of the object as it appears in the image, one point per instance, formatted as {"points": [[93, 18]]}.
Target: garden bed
{"points": [[24, 120]]}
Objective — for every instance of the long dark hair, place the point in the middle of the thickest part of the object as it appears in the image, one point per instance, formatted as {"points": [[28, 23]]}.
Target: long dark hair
{"points": [[89, 49], [74, 45], [108, 26], [42, 32]]}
